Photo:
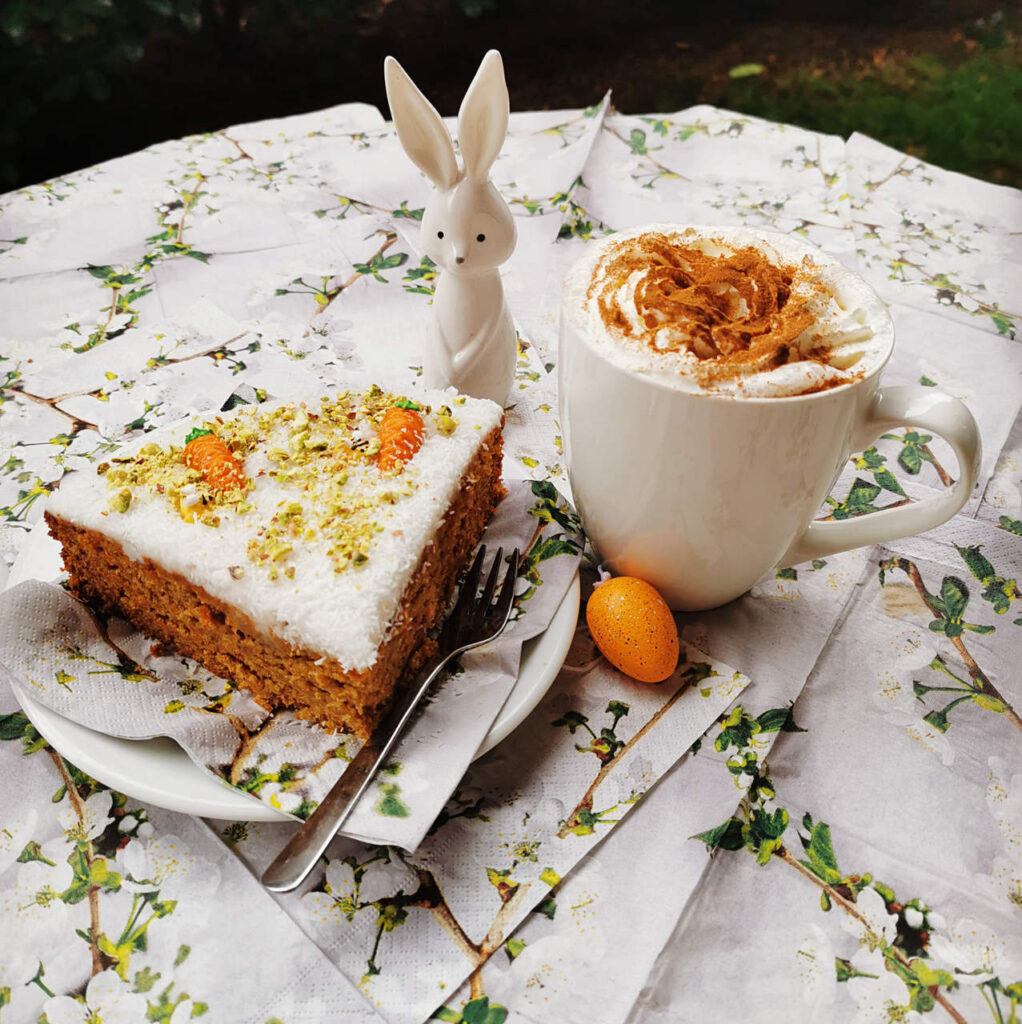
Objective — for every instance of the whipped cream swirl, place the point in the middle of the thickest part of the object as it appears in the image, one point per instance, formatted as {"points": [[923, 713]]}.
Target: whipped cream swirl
{"points": [[725, 310]]}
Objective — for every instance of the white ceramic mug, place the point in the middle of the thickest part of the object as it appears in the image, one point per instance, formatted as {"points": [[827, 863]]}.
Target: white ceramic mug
{"points": [[701, 494]]}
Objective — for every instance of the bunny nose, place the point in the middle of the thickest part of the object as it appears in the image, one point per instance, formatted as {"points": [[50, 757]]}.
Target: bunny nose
{"points": [[459, 259]]}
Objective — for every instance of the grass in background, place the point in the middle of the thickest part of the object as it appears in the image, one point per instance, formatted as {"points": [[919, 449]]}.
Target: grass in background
{"points": [[960, 109], [86, 80]]}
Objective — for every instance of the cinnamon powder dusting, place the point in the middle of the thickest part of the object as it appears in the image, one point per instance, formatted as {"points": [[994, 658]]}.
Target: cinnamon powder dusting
{"points": [[736, 311]]}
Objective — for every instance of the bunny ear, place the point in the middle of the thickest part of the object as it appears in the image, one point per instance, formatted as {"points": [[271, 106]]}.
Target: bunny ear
{"points": [[482, 120], [419, 127]]}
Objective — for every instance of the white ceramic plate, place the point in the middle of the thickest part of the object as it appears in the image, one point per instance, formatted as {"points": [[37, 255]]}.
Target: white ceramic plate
{"points": [[159, 772]]}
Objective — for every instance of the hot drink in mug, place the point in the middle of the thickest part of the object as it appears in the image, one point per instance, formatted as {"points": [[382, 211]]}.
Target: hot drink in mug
{"points": [[713, 382]]}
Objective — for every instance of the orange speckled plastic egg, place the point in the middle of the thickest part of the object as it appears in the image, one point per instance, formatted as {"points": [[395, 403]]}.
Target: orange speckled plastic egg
{"points": [[633, 628]]}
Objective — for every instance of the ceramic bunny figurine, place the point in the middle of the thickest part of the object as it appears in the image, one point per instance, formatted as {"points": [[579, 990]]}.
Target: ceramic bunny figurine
{"points": [[467, 230]]}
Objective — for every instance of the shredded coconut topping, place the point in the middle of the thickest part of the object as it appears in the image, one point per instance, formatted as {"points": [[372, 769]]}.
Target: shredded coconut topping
{"points": [[321, 543]]}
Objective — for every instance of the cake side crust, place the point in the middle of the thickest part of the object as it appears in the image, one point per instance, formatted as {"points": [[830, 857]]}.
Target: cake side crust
{"points": [[171, 609]]}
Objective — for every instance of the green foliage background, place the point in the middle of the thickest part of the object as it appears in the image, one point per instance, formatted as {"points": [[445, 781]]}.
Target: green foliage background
{"points": [[68, 62], [960, 112], [86, 80]]}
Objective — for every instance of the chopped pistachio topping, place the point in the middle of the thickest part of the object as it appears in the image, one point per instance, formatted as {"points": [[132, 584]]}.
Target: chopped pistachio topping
{"points": [[164, 471], [445, 422], [322, 461]]}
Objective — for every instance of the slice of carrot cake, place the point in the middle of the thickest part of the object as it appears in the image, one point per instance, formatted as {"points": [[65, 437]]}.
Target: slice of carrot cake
{"points": [[301, 550]]}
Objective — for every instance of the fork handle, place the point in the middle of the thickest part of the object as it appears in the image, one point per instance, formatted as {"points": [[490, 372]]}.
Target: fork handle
{"points": [[307, 845]]}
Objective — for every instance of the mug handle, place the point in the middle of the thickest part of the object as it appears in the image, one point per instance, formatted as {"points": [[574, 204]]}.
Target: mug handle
{"points": [[892, 407]]}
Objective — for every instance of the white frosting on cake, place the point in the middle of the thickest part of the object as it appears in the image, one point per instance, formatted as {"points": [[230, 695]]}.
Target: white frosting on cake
{"points": [[852, 326], [341, 614]]}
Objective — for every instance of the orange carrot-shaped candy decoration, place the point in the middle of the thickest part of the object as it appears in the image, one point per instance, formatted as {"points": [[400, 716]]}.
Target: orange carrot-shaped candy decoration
{"points": [[205, 452], [401, 435]]}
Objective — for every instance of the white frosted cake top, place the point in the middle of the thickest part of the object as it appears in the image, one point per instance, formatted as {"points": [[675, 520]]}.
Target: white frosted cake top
{"points": [[673, 303], [318, 544]]}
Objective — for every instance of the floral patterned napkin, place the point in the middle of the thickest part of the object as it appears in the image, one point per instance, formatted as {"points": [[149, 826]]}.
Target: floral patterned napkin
{"points": [[407, 929]]}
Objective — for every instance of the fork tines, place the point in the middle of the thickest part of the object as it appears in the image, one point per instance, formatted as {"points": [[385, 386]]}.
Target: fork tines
{"points": [[480, 613], [502, 608]]}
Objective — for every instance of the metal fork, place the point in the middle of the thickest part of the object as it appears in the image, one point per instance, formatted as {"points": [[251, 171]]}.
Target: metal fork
{"points": [[474, 620]]}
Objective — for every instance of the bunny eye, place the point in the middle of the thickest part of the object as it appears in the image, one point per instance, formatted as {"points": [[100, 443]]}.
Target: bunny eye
{"points": [[440, 234], [480, 238]]}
